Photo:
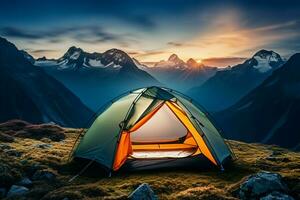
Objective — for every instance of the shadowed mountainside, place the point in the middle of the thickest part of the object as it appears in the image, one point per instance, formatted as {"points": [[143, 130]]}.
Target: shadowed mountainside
{"points": [[229, 85], [28, 93], [270, 113]]}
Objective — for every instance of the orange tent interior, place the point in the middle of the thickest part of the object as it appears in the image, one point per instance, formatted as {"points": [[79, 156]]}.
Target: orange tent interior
{"points": [[138, 144]]}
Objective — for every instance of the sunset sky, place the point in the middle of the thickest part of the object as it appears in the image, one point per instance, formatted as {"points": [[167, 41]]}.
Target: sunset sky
{"points": [[220, 33]]}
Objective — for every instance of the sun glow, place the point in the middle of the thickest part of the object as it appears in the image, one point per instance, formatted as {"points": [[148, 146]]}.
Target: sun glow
{"points": [[199, 61]]}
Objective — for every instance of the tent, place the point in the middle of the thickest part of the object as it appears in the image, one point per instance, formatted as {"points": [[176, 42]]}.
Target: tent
{"points": [[151, 123]]}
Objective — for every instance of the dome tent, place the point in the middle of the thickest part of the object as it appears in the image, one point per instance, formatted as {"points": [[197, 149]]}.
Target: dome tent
{"points": [[151, 123]]}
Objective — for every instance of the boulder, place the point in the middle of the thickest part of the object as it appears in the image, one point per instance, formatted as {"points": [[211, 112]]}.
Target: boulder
{"points": [[143, 192], [5, 147], [43, 175], [2, 193], [278, 159], [31, 168], [8, 175], [277, 196], [13, 152], [262, 184], [16, 190], [43, 146], [25, 182]]}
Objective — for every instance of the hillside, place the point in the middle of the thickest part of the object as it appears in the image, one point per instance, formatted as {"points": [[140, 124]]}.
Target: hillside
{"points": [[228, 86], [41, 152], [28, 93], [268, 114]]}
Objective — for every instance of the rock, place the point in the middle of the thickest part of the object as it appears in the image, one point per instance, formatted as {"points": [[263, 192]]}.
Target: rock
{"points": [[143, 192], [261, 184], [25, 182], [277, 196], [16, 190], [8, 175], [13, 152], [278, 159], [4, 146], [43, 146], [43, 175], [2, 193], [32, 168], [6, 138]]}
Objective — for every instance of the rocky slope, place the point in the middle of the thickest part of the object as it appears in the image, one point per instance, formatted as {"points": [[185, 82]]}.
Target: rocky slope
{"points": [[37, 167], [28, 93]]}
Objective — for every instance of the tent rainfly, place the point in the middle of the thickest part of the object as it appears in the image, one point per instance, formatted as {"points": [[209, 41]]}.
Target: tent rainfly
{"points": [[151, 123]]}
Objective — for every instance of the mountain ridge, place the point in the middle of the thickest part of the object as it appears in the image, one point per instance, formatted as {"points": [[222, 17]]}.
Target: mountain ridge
{"points": [[179, 74], [227, 86], [269, 112], [97, 77], [29, 93]]}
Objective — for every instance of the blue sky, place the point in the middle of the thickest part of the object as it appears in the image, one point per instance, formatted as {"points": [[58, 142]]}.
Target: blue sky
{"points": [[150, 30]]}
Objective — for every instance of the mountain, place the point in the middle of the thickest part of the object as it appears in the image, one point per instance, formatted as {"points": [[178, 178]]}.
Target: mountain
{"points": [[28, 93], [180, 75], [226, 87], [27, 56], [96, 78], [269, 113]]}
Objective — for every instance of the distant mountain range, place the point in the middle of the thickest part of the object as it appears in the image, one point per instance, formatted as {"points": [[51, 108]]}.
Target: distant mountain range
{"points": [[96, 78], [28, 93], [228, 86], [269, 113], [180, 75], [256, 101]]}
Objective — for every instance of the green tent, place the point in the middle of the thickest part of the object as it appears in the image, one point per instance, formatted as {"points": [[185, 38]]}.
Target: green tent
{"points": [[152, 123]]}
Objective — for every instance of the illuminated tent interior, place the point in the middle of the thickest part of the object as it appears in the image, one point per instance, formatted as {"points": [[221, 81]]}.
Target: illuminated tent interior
{"points": [[151, 123]]}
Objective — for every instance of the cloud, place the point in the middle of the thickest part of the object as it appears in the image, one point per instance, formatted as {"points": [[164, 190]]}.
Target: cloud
{"points": [[85, 34], [175, 44], [223, 61], [179, 44], [18, 33], [150, 53], [38, 51]]}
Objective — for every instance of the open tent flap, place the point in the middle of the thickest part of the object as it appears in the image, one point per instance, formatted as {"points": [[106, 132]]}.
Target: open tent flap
{"points": [[164, 131], [212, 135]]}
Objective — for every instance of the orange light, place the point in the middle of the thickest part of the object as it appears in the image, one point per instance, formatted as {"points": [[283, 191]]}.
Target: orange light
{"points": [[199, 61]]}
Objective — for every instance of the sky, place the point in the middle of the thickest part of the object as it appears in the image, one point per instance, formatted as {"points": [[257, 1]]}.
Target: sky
{"points": [[218, 33]]}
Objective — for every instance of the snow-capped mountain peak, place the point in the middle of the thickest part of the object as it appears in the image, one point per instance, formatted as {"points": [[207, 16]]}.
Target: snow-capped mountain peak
{"points": [[175, 59], [116, 56], [73, 53], [194, 64], [77, 59], [265, 60]]}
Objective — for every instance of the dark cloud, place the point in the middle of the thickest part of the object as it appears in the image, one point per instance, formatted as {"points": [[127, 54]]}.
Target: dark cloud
{"points": [[179, 44], [38, 51], [175, 44], [86, 34], [17, 33]]}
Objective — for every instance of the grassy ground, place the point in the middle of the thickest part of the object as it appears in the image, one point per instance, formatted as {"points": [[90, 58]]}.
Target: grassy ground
{"points": [[171, 184]]}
